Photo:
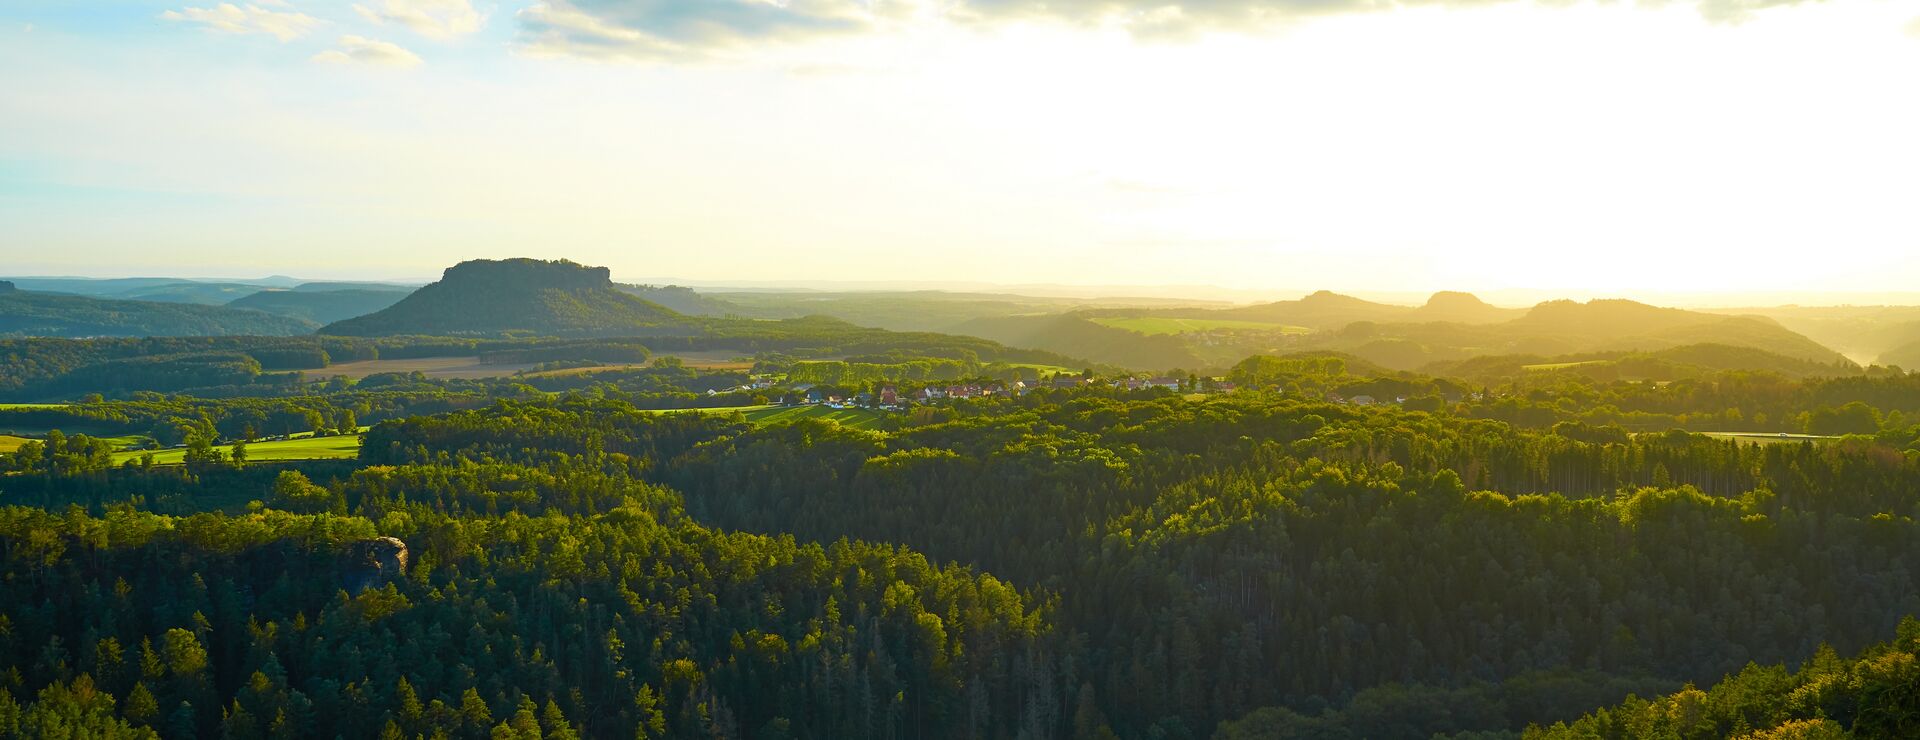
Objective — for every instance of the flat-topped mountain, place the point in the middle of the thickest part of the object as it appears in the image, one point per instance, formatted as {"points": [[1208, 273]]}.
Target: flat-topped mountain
{"points": [[493, 297]]}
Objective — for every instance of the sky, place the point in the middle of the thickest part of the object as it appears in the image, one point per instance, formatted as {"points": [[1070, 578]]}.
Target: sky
{"points": [[1731, 147]]}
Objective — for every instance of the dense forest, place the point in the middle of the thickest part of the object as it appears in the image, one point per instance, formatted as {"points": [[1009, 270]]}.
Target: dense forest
{"points": [[1065, 563]]}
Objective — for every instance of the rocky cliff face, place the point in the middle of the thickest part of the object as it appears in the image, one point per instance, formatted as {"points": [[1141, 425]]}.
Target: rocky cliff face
{"points": [[528, 274], [370, 563]]}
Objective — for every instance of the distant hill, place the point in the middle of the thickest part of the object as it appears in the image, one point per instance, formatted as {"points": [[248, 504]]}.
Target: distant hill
{"points": [[496, 297], [1449, 327], [682, 299], [320, 307], [36, 314], [1464, 308], [1194, 337], [1905, 356], [161, 289], [1329, 310], [1076, 335], [1629, 325], [1864, 333], [206, 294], [1673, 363], [325, 286]]}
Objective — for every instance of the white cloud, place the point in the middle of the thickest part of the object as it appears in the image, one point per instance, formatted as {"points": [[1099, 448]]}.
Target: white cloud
{"points": [[362, 50], [671, 29], [250, 18], [680, 29], [432, 18]]}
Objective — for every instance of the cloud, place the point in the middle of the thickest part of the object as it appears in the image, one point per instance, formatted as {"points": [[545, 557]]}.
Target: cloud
{"points": [[677, 29], [674, 29], [250, 18], [1913, 27], [374, 52], [432, 18]]}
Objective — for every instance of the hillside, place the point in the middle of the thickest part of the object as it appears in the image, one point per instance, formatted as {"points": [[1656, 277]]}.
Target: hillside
{"points": [[682, 299], [496, 297], [320, 306], [1864, 333], [27, 313], [1077, 335]]}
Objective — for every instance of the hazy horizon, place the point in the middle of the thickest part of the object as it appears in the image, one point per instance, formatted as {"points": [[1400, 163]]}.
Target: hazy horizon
{"points": [[1504, 297]]}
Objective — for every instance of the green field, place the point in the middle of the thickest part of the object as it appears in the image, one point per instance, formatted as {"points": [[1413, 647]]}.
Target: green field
{"points": [[771, 414], [1165, 325], [5, 406], [1042, 368], [1767, 438], [9, 443], [305, 448], [1559, 365]]}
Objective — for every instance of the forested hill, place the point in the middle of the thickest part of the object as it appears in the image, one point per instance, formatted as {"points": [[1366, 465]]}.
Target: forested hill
{"points": [[30, 313], [321, 306], [497, 297], [1449, 327]]}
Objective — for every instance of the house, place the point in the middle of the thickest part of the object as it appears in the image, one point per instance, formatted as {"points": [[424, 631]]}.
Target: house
{"points": [[1130, 384], [889, 396], [1068, 381], [1224, 386], [929, 393], [1165, 381], [1362, 400], [816, 397]]}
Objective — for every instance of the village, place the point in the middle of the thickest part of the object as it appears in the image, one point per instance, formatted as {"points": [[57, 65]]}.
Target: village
{"points": [[892, 397]]}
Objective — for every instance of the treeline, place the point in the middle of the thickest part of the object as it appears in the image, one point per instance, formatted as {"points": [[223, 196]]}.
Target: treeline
{"points": [[1729, 401]]}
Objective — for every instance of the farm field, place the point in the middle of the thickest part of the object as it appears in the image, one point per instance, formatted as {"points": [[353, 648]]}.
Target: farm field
{"points": [[771, 414], [304, 448], [472, 367], [9, 443], [716, 360], [1559, 365], [1167, 325], [4, 406], [1767, 438], [432, 367]]}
